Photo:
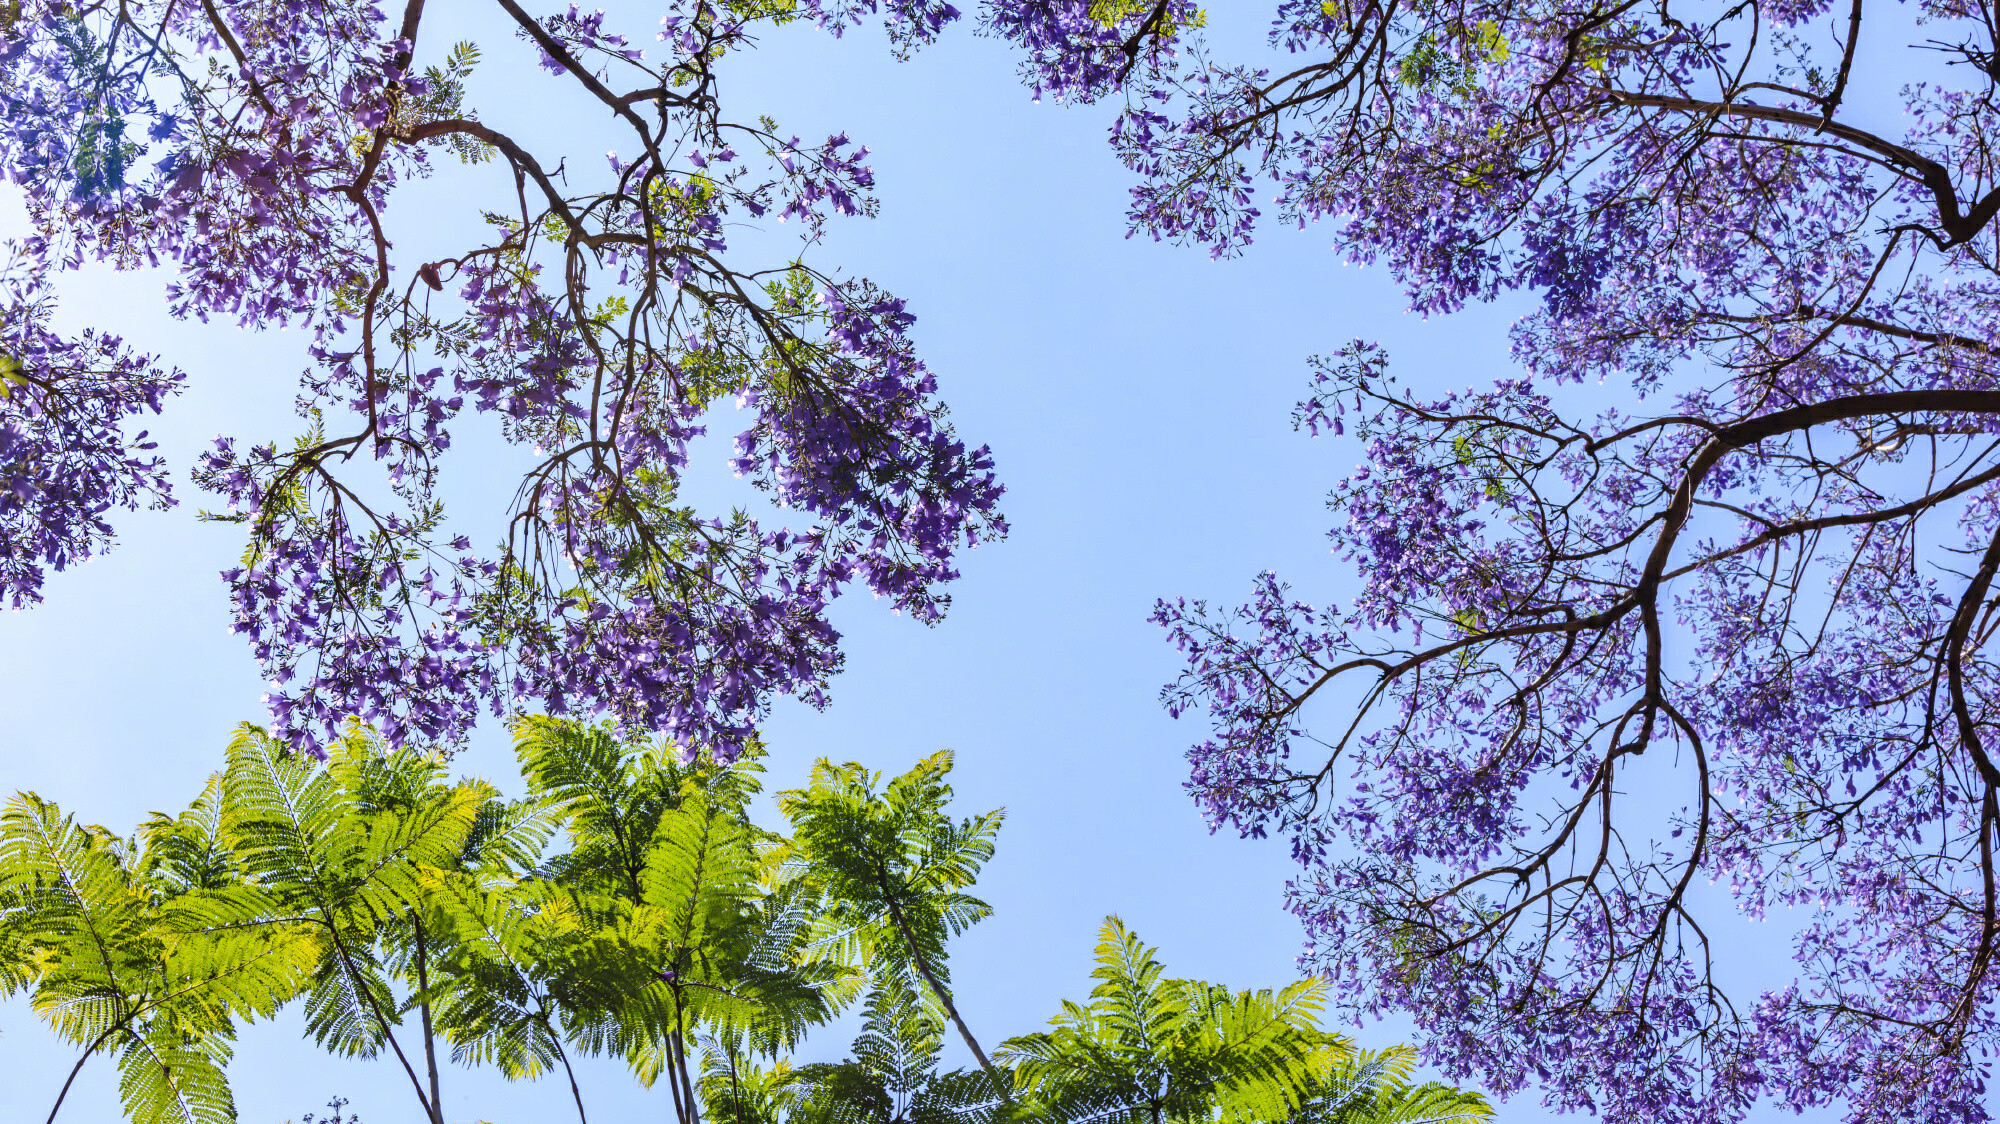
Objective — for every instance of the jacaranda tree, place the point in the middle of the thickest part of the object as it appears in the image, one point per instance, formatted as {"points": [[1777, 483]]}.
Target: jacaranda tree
{"points": [[595, 310], [626, 906], [1719, 615]]}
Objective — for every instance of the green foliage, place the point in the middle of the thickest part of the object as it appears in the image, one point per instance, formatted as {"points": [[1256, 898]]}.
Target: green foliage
{"points": [[892, 867], [627, 906], [1375, 1087], [80, 931], [11, 374], [102, 155], [1160, 26], [443, 99], [893, 1075], [1150, 1049], [338, 850], [689, 929]]}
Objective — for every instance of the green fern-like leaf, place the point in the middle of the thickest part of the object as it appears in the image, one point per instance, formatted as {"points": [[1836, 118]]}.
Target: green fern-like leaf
{"points": [[166, 1079], [1148, 1047]]}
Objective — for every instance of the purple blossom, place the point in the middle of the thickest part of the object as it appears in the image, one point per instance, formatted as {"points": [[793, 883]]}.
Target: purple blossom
{"points": [[1734, 631], [262, 193]]}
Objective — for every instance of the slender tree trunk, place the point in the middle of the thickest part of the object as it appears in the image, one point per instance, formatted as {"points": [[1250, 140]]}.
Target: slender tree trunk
{"points": [[98, 1042], [382, 1020], [73, 1071], [674, 1087], [573, 1090], [682, 1110], [78, 1067], [735, 1087], [680, 1052], [424, 985], [1000, 1084]]}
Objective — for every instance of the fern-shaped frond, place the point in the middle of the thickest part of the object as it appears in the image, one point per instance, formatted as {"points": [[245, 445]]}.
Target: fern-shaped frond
{"points": [[508, 837], [396, 845], [607, 798], [1377, 1087], [349, 1004], [489, 1001], [735, 1089], [252, 958], [701, 873], [76, 922], [187, 852], [167, 1079], [288, 821], [1153, 1048], [958, 1096], [848, 1092], [889, 866]]}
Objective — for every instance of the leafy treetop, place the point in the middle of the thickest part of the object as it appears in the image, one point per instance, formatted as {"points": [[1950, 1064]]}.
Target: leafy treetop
{"points": [[626, 906]]}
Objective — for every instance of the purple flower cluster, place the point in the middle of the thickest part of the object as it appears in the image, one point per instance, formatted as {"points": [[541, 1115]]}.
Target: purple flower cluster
{"points": [[1081, 50], [911, 24], [65, 457], [603, 324]]}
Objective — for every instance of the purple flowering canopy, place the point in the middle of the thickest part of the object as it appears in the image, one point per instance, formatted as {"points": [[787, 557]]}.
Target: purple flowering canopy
{"points": [[1629, 665], [252, 148]]}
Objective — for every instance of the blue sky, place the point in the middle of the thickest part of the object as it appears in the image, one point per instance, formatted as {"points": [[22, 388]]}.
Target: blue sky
{"points": [[1137, 397]]}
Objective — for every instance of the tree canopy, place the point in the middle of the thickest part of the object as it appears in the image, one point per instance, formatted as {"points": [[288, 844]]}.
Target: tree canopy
{"points": [[597, 314], [627, 907], [1701, 594], [1151, 1050], [1724, 623]]}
